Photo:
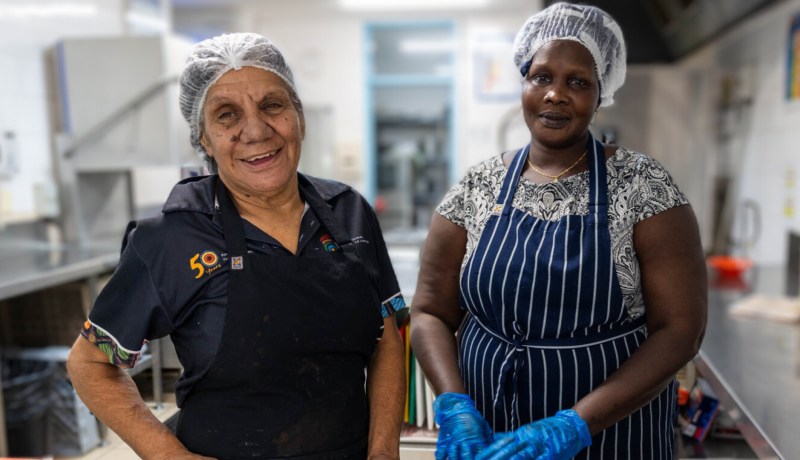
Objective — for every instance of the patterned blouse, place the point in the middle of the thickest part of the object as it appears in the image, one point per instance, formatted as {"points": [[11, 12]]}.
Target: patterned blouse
{"points": [[638, 188]]}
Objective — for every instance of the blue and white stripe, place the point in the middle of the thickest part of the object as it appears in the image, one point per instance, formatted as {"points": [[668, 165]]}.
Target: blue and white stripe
{"points": [[547, 321]]}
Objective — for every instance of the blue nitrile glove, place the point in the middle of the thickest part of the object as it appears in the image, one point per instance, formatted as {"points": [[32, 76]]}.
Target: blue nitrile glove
{"points": [[560, 437], [462, 430]]}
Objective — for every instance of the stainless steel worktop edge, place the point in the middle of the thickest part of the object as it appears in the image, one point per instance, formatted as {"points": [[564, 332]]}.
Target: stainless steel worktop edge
{"points": [[755, 436], [59, 275]]}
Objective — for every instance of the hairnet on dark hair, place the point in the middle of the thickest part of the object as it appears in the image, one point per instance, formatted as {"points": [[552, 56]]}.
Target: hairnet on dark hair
{"points": [[587, 25]]}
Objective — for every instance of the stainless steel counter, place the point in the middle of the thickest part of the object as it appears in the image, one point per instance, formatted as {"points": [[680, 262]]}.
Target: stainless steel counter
{"points": [[754, 367], [31, 266]]}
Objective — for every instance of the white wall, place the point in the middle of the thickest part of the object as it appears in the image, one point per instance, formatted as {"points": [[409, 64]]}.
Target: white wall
{"points": [[480, 121], [754, 54], [675, 117], [27, 30]]}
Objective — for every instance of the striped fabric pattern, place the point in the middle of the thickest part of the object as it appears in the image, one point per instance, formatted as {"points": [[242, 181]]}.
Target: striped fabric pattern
{"points": [[547, 321]]}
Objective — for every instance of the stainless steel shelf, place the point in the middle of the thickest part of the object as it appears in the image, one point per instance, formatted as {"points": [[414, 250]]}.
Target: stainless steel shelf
{"points": [[32, 267]]}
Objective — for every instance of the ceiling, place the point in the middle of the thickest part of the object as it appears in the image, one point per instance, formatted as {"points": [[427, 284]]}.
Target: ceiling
{"points": [[666, 30], [656, 31], [331, 4]]}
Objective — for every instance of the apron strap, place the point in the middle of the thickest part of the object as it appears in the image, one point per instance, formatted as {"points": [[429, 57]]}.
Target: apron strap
{"points": [[598, 182], [506, 196], [232, 228], [325, 214]]}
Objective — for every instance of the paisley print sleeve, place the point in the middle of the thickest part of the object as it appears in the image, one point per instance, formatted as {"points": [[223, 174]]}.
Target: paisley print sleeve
{"points": [[452, 206], [654, 190]]}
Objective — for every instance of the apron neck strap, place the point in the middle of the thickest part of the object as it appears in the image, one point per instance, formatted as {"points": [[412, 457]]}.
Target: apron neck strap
{"points": [[598, 185], [598, 182], [512, 178], [232, 226], [324, 213]]}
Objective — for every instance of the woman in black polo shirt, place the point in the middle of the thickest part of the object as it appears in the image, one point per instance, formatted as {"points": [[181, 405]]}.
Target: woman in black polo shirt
{"points": [[275, 287]]}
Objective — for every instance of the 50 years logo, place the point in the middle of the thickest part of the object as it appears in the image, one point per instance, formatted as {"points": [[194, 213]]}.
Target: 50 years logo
{"points": [[209, 263]]}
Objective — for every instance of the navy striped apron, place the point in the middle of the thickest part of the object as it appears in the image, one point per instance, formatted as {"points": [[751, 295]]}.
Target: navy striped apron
{"points": [[547, 321]]}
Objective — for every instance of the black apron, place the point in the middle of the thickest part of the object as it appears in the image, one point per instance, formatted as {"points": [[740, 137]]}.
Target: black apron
{"points": [[288, 379]]}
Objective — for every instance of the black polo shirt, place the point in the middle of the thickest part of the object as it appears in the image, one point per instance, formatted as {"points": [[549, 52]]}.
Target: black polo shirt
{"points": [[172, 276]]}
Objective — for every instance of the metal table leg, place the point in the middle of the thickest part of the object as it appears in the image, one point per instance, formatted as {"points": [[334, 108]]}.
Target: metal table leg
{"points": [[3, 440], [155, 351]]}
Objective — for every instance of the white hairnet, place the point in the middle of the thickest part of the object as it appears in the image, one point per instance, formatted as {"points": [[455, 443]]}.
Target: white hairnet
{"points": [[209, 61], [587, 25]]}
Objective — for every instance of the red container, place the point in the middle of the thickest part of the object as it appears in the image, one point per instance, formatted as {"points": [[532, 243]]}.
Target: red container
{"points": [[729, 266]]}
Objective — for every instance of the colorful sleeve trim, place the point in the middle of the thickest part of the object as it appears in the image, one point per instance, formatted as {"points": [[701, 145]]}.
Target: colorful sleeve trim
{"points": [[117, 355], [392, 305]]}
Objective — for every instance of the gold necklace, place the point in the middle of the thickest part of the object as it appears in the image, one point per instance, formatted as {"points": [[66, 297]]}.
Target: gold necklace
{"points": [[558, 176]]}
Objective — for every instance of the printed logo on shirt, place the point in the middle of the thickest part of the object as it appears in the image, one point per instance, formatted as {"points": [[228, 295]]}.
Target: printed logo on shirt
{"points": [[210, 263], [328, 243], [360, 240], [497, 209], [209, 258]]}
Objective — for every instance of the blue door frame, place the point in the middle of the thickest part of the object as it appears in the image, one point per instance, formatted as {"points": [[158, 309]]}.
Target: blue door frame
{"points": [[405, 81]]}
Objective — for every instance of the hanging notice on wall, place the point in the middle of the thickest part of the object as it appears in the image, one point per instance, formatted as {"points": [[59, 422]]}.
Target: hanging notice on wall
{"points": [[495, 77], [793, 63]]}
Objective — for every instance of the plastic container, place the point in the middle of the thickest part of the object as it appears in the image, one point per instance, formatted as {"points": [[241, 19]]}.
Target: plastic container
{"points": [[729, 266], [27, 397], [44, 415]]}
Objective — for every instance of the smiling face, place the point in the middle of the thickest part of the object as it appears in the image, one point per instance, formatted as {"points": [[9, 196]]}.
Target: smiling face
{"points": [[253, 131], [560, 94]]}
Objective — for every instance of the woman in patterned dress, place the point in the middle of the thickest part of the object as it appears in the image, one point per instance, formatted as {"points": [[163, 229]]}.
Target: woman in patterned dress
{"points": [[572, 272]]}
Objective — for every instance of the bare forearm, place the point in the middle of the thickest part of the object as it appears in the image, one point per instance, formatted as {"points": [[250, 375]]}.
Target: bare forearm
{"points": [[640, 379], [435, 312], [112, 396], [674, 287], [435, 347], [386, 389]]}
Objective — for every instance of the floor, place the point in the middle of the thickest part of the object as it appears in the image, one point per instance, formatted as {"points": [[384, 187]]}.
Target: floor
{"points": [[118, 450], [115, 449]]}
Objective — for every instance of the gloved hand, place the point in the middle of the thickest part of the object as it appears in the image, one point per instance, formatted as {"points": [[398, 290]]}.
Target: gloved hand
{"points": [[462, 430], [560, 437]]}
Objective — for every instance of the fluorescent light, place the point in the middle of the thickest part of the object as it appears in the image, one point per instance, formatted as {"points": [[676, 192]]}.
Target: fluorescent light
{"points": [[63, 10], [411, 4], [426, 46], [146, 22]]}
